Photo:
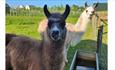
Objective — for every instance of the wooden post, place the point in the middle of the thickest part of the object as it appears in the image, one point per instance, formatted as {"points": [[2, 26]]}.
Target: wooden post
{"points": [[99, 38]]}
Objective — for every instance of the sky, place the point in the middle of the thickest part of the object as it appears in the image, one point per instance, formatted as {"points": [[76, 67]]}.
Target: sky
{"points": [[14, 3]]}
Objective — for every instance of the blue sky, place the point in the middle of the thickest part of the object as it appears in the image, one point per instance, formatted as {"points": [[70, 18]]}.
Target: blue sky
{"points": [[51, 2]]}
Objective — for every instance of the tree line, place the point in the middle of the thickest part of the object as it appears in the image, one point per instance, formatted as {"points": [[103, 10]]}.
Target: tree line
{"points": [[75, 9]]}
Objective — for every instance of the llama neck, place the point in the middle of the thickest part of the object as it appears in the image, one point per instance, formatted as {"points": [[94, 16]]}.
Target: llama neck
{"points": [[53, 54], [82, 23]]}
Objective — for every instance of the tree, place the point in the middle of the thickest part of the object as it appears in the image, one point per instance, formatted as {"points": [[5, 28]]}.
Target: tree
{"points": [[74, 7], [7, 9], [81, 8]]}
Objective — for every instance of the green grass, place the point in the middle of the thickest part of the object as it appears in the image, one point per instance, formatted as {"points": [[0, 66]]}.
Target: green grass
{"points": [[27, 25], [88, 43]]}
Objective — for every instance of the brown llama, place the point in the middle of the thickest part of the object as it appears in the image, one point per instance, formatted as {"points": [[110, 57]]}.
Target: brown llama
{"points": [[9, 37], [24, 53]]}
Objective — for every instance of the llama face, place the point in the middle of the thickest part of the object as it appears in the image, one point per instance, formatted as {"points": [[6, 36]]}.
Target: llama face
{"points": [[56, 29], [90, 10]]}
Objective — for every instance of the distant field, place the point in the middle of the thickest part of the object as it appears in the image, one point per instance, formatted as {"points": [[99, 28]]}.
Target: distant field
{"points": [[27, 25]]}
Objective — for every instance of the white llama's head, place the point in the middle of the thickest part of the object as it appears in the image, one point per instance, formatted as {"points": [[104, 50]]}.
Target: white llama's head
{"points": [[90, 10]]}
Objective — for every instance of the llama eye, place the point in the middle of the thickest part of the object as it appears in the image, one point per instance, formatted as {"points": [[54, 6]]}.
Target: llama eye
{"points": [[86, 11], [92, 11], [49, 24], [62, 25]]}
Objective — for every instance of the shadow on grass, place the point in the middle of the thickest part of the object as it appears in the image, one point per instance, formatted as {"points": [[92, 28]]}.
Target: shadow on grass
{"points": [[89, 45]]}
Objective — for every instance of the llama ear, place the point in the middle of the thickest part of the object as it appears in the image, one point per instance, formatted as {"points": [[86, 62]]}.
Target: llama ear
{"points": [[46, 12], [86, 4], [95, 5], [67, 11]]}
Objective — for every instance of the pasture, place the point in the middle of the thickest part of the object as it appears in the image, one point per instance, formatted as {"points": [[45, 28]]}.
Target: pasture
{"points": [[27, 25]]}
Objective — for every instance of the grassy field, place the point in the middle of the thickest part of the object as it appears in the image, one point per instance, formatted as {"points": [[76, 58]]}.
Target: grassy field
{"points": [[27, 25]]}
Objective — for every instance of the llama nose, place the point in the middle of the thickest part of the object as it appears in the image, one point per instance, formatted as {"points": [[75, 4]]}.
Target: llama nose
{"points": [[55, 32]]}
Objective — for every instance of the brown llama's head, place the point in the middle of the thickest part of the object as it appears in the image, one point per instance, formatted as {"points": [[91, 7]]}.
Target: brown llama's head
{"points": [[90, 10], [56, 29]]}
